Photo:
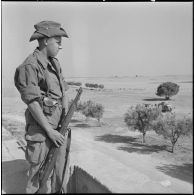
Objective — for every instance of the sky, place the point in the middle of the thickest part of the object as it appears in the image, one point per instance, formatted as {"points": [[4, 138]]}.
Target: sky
{"points": [[106, 38]]}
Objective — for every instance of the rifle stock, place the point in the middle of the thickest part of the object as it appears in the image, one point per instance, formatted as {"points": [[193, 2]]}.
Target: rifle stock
{"points": [[50, 160]]}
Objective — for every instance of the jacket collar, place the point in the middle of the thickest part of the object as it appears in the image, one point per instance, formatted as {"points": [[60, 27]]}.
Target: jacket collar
{"points": [[42, 58]]}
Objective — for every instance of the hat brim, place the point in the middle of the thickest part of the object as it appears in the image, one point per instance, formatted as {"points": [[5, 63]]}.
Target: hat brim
{"points": [[54, 32]]}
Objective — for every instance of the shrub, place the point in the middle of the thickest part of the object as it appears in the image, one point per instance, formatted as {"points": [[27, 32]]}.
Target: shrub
{"points": [[140, 117], [167, 90], [74, 83], [79, 105], [101, 86], [94, 85], [92, 109], [89, 109], [165, 107], [171, 128]]}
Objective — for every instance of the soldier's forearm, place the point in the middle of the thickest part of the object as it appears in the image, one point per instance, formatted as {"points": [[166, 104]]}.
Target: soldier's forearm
{"points": [[38, 115]]}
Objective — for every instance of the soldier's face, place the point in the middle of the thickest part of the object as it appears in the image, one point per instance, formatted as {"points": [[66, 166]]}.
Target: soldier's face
{"points": [[53, 46]]}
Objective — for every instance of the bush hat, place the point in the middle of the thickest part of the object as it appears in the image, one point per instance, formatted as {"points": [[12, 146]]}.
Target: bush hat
{"points": [[48, 29]]}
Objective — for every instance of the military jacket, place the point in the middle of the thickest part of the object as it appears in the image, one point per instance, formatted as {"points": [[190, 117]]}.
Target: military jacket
{"points": [[36, 78]]}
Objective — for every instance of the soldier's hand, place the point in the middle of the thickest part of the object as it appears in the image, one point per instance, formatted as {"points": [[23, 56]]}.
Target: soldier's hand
{"points": [[56, 137]]}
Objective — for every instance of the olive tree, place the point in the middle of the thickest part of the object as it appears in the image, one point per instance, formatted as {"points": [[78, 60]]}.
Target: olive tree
{"points": [[92, 109], [79, 106], [140, 117], [171, 128], [167, 90], [89, 109]]}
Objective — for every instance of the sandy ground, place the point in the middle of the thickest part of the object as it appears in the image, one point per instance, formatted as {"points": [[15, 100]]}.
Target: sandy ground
{"points": [[120, 171], [111, 153]]}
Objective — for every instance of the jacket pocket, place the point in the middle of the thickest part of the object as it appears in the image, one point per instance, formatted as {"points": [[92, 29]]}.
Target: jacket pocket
{"points": [[49, 105], [34, 152]]}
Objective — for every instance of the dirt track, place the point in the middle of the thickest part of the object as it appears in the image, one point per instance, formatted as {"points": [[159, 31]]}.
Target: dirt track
{"points": [[121, 171]]}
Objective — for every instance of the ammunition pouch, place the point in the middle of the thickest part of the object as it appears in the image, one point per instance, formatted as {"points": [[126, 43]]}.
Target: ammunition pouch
{"points": [[49, 105]]}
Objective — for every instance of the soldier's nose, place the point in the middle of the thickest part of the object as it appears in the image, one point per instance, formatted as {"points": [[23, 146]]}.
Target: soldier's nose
{"points": [[60, 47]]}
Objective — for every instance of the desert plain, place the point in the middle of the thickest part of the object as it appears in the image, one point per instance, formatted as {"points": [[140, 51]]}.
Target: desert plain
{"points": [[111, 152]]}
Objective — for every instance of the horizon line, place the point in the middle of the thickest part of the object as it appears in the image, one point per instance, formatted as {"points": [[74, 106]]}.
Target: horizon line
{"points": [[141, 75]]}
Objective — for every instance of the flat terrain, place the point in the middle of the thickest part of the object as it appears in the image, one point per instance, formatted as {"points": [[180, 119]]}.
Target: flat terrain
{"points": [[111, 152]]}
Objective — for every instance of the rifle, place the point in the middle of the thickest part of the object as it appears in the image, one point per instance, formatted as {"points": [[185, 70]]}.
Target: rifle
{"points": [[48, 164]]}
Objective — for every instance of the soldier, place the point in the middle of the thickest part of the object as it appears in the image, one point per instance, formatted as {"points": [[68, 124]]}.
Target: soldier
{"points": [[42, 87]]}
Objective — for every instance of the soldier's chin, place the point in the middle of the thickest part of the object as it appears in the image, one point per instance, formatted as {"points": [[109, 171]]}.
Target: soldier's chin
{"points": [[54, 55]]}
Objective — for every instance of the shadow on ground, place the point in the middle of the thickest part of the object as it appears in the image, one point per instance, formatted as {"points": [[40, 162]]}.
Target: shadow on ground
{"points": [[155, 99], [110, 138], [183, 172], [82, 125], [14, 176], [88, 124], [143, 149], [132, 144], [74, 121]]}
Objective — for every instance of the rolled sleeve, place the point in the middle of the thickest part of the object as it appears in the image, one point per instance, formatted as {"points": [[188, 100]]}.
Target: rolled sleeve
{"points": [[26, 81]]}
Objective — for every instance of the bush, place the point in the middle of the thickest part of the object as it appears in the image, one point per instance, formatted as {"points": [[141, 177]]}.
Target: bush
{"points": [[101, 86], [94, 85], [79, 107], [167, 90], [74, 83], [87, 84], [89, 109], [165, 107], [171, 128], [140, 117], [92, 109]]}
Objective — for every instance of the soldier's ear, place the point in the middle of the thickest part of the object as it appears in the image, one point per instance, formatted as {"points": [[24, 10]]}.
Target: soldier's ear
{"points": [[42, 42], [45, 41]]}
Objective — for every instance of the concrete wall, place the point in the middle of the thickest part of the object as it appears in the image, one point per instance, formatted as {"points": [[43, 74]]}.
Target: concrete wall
{"points": [[82, 182]]}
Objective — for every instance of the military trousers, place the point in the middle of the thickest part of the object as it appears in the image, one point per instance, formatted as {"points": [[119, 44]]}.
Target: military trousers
{"points": [[35, 154]]}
